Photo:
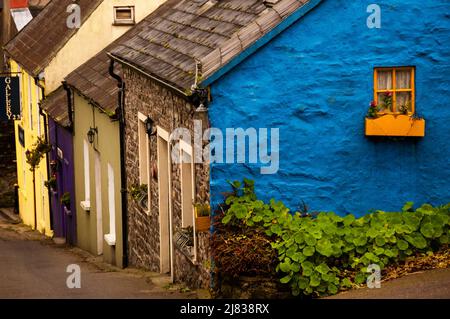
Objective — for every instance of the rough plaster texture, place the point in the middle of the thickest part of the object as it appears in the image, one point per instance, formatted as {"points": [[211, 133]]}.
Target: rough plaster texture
{"points": [[315, 82]]}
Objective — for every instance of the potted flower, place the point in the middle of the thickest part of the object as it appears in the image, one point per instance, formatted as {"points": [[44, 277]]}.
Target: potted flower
{"points": [[65, 201], [202, 217], [140, 194], [51, 183]]}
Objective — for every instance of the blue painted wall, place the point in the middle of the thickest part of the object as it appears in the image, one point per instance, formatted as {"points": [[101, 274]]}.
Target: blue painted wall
{"points": [[315, 82]]}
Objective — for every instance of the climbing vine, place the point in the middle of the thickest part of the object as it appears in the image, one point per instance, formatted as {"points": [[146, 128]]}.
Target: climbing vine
{"points": [[37, 153]]}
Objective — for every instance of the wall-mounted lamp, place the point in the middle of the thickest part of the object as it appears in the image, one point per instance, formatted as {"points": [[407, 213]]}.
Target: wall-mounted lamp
{"points": [[91, 134], [150, 126]]}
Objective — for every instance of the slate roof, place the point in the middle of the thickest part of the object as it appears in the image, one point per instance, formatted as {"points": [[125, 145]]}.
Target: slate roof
{"points": [[92, 79], [56, 105], [36, 44], [211, 32]]}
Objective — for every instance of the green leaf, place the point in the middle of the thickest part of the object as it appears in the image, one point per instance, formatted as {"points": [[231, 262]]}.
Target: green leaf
{"points": [[309, 251], [303, 282], [427, 230], [310, 240], [408, 206], [286, 279], [315, 280], [402, 245], [332, 289], [323, 268], [226, 219], [380, 241], [417, 240], [285, 267], [360, 278]]}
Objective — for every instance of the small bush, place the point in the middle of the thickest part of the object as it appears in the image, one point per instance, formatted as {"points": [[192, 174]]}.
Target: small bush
{"points": [[327, 253]]}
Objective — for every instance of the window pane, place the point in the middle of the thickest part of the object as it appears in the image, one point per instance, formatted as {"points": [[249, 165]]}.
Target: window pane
{"points": [[403, 79], [385, 80], [124, 14], [385, 101], [404, 102]]}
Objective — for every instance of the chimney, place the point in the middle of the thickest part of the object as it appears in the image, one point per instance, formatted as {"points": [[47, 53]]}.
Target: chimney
{"points": [[18, 4]]}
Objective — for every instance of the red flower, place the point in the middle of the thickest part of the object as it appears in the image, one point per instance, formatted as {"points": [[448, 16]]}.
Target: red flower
{"points": [[373, 104], [388, 94]]}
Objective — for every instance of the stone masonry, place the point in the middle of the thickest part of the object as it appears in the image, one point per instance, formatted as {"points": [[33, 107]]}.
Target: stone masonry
{"points": [[169, 111]]}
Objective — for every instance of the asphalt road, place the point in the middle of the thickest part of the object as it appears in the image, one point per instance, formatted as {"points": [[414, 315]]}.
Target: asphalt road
{"points": [[33, 268], [430, 284]]}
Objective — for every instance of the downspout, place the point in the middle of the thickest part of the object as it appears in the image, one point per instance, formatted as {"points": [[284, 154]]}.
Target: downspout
{"points": [[120, 113], [69, 104], [46, 138]]}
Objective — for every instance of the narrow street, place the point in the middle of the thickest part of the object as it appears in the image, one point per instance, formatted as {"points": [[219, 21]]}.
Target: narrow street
{"points": [[34, 267]]}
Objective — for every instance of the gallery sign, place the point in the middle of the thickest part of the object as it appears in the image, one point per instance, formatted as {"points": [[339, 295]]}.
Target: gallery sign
{"points": [[9, 98]]}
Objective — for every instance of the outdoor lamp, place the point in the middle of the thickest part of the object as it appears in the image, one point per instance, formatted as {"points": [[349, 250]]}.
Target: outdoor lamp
{"points": [[149, 126], [91, 134]]}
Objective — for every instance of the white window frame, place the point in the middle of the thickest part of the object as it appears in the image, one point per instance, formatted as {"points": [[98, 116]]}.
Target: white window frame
{"points": [[30, 104], [144, 157], [86, 204], [186, 148], [130, 21], [111, 237]]}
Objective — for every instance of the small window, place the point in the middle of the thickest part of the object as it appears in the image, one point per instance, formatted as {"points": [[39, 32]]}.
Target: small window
{"points": [[144, 161], [394, 90], [124, 15]]}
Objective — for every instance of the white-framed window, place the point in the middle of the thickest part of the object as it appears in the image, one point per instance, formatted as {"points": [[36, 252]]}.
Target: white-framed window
{"points": [[86, 204], [38, 115], [111, 237], [188, 191], [144, 156], [124, 15], [30, 103]]}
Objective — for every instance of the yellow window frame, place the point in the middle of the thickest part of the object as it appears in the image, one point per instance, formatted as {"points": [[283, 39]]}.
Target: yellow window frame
{"points": [[394, 90]]}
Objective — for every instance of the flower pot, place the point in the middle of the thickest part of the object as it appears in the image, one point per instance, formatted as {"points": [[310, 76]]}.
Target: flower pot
{"points": [[67, 211], [202, 223]]}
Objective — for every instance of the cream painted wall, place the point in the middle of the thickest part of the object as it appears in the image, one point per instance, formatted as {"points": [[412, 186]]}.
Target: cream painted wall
{"points": [[94, 35], [107, 146]]}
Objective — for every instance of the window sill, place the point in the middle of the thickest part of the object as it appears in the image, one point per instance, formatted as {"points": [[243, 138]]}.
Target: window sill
{"points": [[110, 239], [86, 205], [125, 23], [395, 125]]}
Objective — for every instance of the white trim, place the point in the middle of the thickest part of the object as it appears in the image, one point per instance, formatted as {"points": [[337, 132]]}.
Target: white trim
{"points": [[85, 205], [144, 157], [87, 178], [98, 201], [111, 237], [164, 135]]}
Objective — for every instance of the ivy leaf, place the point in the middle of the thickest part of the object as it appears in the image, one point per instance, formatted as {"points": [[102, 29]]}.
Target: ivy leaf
{"points": [[315, 280], [332, 289]]}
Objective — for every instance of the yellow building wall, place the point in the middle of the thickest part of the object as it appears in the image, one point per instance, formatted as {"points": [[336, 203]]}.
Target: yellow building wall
{"points": [[33, 126], [94, 35]]}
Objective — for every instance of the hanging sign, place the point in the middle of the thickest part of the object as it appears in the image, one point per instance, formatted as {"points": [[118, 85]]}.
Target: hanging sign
{"points": [[9, 98]]}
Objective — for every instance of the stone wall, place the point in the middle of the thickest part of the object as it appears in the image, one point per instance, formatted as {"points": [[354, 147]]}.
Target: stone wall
{"points": [[8, 172], [169, 111]]}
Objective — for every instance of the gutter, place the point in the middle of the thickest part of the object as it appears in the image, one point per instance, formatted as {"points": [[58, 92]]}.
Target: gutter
{"points": [[147, 74], [120, 113], [69, 104]]}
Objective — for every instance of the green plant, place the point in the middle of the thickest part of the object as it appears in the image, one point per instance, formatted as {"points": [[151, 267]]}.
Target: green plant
{"points": [[51, 183], [373, 110], [34, 156], [203, 209], [139, 191], [404, 109], [65, 199], [328, 253]]}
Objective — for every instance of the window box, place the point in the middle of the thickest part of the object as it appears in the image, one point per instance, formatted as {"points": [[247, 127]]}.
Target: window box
{"points": [[202, 218], [110, 239], [395, 125], [86, 205]]}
